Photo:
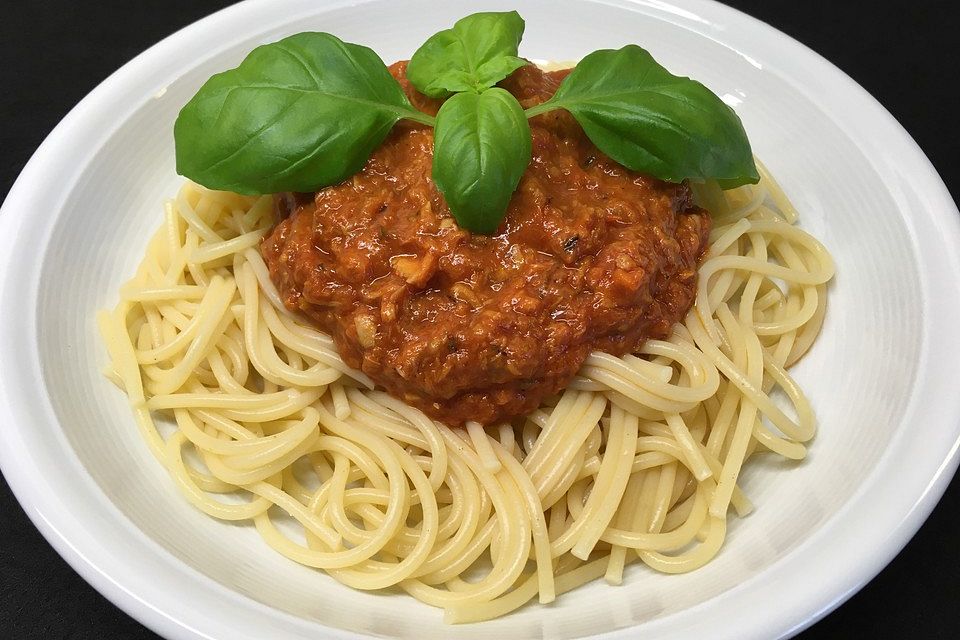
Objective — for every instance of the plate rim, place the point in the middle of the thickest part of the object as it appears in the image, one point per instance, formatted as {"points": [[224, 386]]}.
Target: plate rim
{"points": [[138, 598]]}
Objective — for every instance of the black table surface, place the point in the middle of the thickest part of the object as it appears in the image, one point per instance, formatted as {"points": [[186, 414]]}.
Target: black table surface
{"points": [[905, 54]]}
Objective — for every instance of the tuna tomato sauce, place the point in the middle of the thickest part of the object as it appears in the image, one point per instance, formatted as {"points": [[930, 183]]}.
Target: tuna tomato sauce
{"points": [[591, 256]]}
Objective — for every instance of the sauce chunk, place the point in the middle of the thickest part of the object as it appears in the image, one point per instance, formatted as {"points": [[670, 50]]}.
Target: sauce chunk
{"points": [[591, 256]]}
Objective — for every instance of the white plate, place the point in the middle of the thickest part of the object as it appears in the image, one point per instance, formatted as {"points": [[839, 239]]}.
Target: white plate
{"points": [[882, 377]]}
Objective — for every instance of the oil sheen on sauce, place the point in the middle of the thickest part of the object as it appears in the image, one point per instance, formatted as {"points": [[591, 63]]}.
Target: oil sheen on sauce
{"points": [[590, 256]]}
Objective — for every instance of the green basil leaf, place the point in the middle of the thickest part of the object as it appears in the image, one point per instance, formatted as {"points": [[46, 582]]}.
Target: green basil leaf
{"points": [[478, 52], [481, 148], [296, 115], [654, 122]]}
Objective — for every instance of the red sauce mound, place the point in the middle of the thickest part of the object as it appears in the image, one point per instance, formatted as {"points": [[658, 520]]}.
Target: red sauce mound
{"points": [[465, 327]]}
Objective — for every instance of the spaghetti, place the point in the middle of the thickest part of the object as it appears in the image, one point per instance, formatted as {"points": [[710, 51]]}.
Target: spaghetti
{"points": [[638, 459]]}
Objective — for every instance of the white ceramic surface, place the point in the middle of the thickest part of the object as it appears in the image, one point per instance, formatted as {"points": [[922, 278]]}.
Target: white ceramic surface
{"points": [[882, 376]]}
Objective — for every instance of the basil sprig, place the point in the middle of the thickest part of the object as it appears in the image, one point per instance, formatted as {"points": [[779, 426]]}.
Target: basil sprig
{"points": [[478, 52], [652, 121], [296, 115], [307, 111], [481, 148]]}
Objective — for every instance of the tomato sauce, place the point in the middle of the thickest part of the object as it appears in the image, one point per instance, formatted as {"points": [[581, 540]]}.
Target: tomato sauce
{"points": [[590, 256]]}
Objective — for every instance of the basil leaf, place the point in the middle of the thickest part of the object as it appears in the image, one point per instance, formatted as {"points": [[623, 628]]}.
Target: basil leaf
{"points": [[478, 52], [481, 148], [654, 122], [296, 115]]}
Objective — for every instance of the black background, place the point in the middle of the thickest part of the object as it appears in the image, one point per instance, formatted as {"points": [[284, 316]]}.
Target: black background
{"points": [[905, 54]]}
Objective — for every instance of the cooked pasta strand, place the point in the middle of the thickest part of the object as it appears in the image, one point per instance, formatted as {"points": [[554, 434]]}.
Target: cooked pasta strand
{"points": [[639, 458]]}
